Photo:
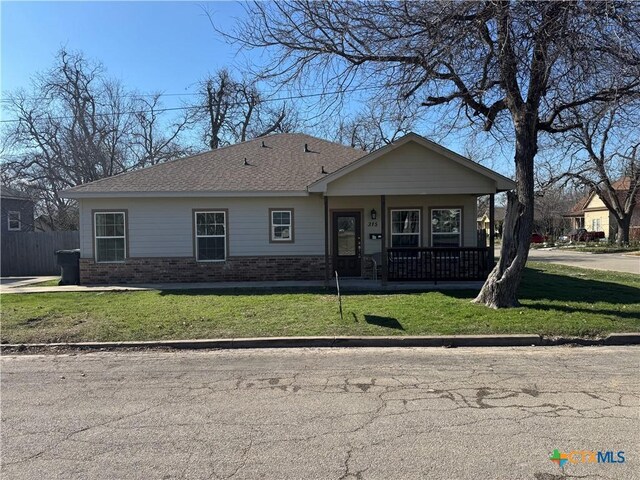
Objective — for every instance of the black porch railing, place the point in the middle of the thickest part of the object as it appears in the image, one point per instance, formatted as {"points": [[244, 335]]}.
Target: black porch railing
{"points": [[439, 263]]}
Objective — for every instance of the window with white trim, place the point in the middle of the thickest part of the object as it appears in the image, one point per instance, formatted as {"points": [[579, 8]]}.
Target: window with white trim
{"points": [[13, 221], [281, 225], [211, 236], [595, 225], [446, 227], [405, 228], [110, 236]]}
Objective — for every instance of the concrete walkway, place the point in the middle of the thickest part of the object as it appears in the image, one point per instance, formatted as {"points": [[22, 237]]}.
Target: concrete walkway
{"points": [[14, 282], [615, 262], [346, 285]]}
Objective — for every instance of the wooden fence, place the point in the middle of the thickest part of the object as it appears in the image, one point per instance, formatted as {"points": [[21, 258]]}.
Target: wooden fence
{"points": [[33, 253]]}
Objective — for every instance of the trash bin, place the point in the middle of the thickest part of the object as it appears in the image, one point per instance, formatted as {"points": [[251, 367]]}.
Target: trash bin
{"points": [[69, 261]]}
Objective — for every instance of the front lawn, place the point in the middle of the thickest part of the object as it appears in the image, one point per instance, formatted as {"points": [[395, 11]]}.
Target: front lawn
{"points": [[603, 248], [557, 300]]}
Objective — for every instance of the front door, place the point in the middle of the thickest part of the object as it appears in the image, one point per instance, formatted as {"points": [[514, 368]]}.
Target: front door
{"points": [[347, 244]]}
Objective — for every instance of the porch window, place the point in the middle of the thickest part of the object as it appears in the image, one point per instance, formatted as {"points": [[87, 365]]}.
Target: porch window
{"points": [[110, 236], [445, 227], [281, 225], [13, 220], [211, 236], [405, 228]]}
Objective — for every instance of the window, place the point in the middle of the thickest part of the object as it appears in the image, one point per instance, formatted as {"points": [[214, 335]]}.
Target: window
{"points": [[445, 227], [13, 220], [595, 225], [211, 236], [110, 236], [405, 228], [281, 225]]}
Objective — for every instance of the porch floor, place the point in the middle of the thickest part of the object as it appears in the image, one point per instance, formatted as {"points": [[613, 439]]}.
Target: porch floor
{"points": [[346, 285]]}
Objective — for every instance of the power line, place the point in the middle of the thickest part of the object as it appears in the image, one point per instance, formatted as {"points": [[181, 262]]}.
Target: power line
{"points": [[140, 95], [132, 95], [196, 107]]}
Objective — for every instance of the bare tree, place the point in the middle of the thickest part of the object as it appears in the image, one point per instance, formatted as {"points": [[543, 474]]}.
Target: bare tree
{"points": [[153, 140], [551, 204], [76, 126], [514, 66], [375, 126], [607, 159], [234, 111]]}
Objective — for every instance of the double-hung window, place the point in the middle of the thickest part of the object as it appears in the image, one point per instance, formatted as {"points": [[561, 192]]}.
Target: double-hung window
{"points": [[110, 236], [405, 228], [211, 236], [13, 220], [281, 225], [446, 227]]}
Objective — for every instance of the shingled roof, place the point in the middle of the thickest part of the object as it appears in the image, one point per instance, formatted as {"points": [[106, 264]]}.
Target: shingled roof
{"points": [[578, 208], [12, 193], [620, 186], [286, 162]]}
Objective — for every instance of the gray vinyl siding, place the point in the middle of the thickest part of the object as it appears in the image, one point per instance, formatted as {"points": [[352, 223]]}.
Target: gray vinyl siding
{"points": [[411, 169], [163, 227]]}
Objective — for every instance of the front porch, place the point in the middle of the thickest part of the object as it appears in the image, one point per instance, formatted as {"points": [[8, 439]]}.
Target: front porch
{"points": [[405, 238], [408, 212]]}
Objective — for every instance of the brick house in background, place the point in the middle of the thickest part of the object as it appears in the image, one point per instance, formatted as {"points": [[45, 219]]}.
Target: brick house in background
{"points": [[16, 211], [289, 207]]}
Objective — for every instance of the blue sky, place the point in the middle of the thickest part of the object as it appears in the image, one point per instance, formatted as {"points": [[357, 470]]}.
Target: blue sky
{"points": [[150, 46]]}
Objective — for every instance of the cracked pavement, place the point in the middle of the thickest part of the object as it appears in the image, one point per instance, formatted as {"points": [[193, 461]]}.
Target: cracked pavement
{"points": [[369, 413]]}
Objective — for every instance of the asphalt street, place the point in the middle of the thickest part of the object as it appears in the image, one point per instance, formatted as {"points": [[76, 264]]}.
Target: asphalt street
{"points": [[616, 262], [483, 413]]}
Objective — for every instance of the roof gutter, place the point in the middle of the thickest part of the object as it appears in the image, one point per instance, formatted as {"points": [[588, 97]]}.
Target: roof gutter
{"points": [[80, 195]]}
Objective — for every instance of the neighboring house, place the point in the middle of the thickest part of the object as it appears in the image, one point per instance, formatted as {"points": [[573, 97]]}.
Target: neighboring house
{"points": [[484, 222], [289, 207], [17, 210], [590, 213], [576, 214]]}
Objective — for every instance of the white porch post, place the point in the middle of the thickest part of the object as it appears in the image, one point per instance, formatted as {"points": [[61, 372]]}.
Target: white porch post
{"points": [[327, 237], [492, 226], [383, 240]]}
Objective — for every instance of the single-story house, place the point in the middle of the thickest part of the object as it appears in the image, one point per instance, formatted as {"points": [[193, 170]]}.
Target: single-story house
{"points": [[591, 213], [289, 207], [16, 210]]}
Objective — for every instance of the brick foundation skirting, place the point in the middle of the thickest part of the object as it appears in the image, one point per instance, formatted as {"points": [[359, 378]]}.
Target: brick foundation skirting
{"points": [[185, 269]]}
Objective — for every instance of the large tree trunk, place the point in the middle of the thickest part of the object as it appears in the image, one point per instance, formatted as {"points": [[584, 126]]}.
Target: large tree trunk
{"points": [[500, 289], [624, 225]]}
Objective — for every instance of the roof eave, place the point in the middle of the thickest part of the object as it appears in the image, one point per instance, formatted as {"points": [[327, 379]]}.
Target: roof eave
{"points": [[77, 195]]}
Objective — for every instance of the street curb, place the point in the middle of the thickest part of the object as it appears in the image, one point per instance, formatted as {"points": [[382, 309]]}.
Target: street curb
{"points": [[327, 342]]}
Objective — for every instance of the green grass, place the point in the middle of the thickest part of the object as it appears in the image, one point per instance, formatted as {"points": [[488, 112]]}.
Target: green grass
{"points": [[557, 300]]}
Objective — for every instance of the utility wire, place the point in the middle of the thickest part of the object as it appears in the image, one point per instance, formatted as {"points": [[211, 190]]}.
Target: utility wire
{"points": [[139, 95], [196, 107]]}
